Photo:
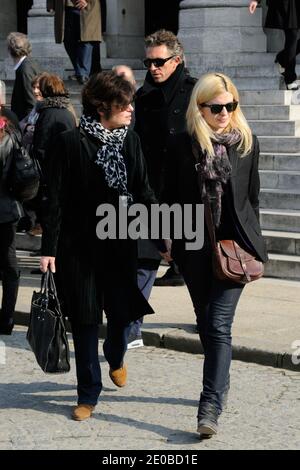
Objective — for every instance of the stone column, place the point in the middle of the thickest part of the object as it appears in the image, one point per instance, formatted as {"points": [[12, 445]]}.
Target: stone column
{"points": [[125, 28], [8, 23], [213, 26], [41, 32]]}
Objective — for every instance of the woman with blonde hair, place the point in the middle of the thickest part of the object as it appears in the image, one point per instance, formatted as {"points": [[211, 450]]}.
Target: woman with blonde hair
{"points": [[219, 142]]}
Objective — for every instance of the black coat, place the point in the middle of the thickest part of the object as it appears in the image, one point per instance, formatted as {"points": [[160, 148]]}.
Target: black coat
{"points": [[160, 112], [10, 209], [181, 186], [54, 118], [22, 100], [86, 266], [283, 14]]}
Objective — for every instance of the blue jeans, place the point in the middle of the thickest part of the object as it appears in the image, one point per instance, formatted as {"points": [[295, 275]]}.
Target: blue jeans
{"points": [[80, 52], [89, 383], [214, 303], [145, 278]]}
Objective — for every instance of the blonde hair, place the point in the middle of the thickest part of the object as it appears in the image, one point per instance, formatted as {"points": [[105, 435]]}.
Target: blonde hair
{"points": [[208, 87]]}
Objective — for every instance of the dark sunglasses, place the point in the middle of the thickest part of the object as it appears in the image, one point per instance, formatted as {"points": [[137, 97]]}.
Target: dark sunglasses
{"points": [[218, 108], [157, 62]]}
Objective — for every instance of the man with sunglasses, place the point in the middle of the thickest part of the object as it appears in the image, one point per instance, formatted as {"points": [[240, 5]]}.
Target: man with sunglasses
{"points": [[161, 105]]}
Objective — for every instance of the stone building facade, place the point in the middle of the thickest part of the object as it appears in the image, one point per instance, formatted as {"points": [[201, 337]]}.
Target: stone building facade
{"points": [[126, 21]]}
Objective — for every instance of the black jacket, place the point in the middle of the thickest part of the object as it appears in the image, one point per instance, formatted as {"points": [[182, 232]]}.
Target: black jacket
{"points": [[10, 209], [22, 100], [54, 118], [181, 186], [160, 112], [86, 264], [283, 14]]}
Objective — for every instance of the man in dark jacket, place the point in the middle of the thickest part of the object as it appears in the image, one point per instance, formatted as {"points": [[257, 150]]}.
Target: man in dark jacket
{"points": [[161, 105], [22, 100]]}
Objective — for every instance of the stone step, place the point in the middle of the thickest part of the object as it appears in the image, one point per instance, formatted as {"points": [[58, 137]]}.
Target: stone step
{"points": [[282, 220], [270, 97], [26, 260], [279, 161], [275, 128], [271, 112], [28, 243], [283, 179], [280, 199], [283, 266], [249, 83], [217, 60], [285, 243], [279, 144]]}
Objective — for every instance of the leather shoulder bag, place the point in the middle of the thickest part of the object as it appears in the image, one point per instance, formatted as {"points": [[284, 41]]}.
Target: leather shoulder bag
{"points": [[230, 261]]}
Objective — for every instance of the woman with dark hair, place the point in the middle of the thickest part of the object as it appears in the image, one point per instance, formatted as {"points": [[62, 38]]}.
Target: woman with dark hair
{"points": [[101, 163], [285, 15], [55, 117], [10, 212]]}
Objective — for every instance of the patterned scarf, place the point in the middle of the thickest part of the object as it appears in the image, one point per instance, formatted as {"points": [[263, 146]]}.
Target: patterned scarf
{"points": [[109, 156], [216, 171]]}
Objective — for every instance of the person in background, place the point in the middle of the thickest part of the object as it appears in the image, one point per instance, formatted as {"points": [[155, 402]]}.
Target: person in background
{"points": [[19, 48], [27, 125], [78, 25], [54, 117], [6, 112], [145, 274], [10, 212], [284, 15], [160, 109], [101, 163], [219, 140]]}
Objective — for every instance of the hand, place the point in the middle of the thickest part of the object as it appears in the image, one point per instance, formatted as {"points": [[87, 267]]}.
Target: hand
{"points": [[166, 256], [47, 261], [252, 7], [81, 4]]}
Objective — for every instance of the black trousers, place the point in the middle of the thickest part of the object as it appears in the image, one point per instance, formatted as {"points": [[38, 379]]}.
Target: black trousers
{"points": [[89, 380], [287, 57], [10, 272]]}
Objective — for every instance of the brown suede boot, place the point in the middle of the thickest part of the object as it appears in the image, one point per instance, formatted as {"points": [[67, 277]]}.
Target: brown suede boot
{"points": [[119, 376], [82, 412]]}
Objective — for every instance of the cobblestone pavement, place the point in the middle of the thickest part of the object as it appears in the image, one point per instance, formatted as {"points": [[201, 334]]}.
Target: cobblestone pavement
{"points": [[157, 410]]}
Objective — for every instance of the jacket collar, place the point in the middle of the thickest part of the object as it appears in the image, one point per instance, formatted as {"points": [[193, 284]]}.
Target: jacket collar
{"points": [[167, 88]]}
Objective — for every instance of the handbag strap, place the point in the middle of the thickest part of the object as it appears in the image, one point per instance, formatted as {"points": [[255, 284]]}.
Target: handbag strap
{"points": [[207, 208], [48, 287]]}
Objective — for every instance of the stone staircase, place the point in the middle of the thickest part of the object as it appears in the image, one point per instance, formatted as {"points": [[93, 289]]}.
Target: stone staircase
{"points": [[275, 120]]}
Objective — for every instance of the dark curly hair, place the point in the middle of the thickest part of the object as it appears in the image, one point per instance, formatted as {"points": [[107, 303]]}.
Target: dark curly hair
{"points": [[104, 89]]}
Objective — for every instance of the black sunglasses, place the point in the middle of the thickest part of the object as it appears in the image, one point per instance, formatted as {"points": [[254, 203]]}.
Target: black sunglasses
{"points": [[157, 62], [217, 108]]}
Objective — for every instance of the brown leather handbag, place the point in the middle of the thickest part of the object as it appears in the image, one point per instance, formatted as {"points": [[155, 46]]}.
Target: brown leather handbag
{"points": [[230, 261]]}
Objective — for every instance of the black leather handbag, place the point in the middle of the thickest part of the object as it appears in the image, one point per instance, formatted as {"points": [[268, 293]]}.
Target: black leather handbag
{"points": [[47, 333]]}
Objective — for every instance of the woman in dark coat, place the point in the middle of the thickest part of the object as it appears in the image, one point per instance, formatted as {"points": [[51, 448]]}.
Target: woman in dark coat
{"points": [[101, 163], [219, 135], [56, 115], [10, 212], [285, 15]]}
